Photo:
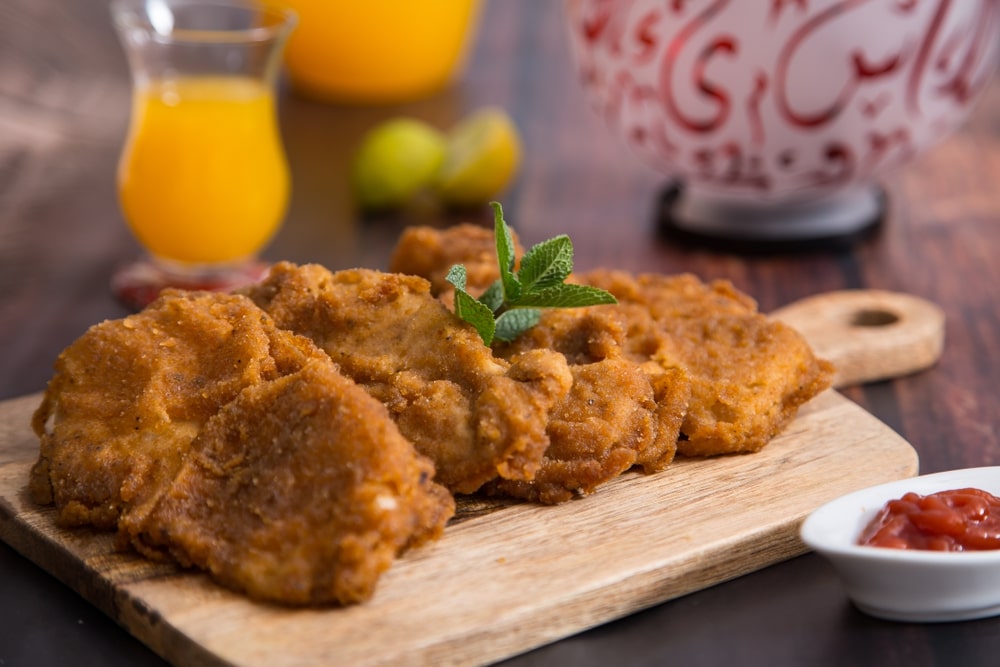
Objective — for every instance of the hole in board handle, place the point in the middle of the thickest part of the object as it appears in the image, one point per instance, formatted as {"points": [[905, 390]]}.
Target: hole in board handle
{"points": [[873, 317]]}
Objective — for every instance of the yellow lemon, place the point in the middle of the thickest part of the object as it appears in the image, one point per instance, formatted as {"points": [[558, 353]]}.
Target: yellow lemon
{"points": [[395, 161], [482, 158]]}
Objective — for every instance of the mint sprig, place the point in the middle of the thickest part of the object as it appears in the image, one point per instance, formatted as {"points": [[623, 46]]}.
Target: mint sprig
{"points": [[512, 304]]}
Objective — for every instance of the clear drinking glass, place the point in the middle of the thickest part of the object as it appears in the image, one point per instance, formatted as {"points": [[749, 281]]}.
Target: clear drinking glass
{"points": [[203, 180]]}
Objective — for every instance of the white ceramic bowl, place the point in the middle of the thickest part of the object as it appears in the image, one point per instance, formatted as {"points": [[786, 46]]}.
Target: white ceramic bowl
{"points": [[907, 585], [777, 117]]}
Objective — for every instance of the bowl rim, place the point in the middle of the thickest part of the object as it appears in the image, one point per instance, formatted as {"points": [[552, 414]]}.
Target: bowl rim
{"points": [[823, 530]]}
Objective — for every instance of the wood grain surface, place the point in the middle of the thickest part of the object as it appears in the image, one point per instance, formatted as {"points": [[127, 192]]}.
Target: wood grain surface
{"points": [[496, 584], [871, 335]]}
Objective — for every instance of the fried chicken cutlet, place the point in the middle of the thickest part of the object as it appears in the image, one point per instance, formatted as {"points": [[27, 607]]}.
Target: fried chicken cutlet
{"points": [[429, 253], [616, 416], [129, 395], [203, 431], [299, 491], [749, 374], [474, 415]]}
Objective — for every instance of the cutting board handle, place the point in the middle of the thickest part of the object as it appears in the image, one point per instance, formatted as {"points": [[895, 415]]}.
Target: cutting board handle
{"points": [[869, 335]]}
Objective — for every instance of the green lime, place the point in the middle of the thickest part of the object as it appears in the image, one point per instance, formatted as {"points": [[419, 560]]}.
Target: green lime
{"points": [[396, 160], [483, 156]]}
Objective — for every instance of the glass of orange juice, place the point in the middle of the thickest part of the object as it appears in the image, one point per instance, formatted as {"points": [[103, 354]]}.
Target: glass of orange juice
{"points": [[203, 180], [378, 51]]}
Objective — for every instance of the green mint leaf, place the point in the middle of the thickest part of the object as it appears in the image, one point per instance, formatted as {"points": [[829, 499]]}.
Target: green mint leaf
{"points": [[476, 314], [511, 305], [457, 276], [566, 296], [547, 264], [493, 296], [468, 308], [513, 323], [505, 255]]}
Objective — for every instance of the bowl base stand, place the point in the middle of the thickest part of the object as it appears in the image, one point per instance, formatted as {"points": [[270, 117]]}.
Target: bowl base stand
{"points": [[832, 223]]}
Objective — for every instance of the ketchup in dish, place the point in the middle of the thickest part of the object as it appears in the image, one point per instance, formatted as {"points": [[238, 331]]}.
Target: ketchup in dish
{"points": [[955, 520]]}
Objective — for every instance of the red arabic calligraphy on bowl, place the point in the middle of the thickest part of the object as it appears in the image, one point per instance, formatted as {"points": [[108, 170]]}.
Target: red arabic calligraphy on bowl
{"points": [[770, 99]]}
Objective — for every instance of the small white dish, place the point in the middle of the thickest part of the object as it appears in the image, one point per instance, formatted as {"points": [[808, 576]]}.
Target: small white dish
{"points": [[902, 584]]}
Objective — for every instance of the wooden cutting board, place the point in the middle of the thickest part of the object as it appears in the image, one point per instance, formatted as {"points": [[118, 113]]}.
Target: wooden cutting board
{"points": [[504, 578]]}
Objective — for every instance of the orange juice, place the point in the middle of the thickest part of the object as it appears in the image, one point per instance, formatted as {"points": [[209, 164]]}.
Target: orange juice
{"points": [[203, 178], [377, 50]]}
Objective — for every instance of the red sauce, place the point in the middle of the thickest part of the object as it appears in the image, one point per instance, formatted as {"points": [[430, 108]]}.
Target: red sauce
{"points": [[957, 520]]}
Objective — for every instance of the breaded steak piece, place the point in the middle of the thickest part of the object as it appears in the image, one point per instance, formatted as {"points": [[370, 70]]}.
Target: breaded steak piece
{"points": [[476, 416], [616, 415], [202, 431], [129, 395], [299, 491], [429, 253], [614, 418], [749, 374]]}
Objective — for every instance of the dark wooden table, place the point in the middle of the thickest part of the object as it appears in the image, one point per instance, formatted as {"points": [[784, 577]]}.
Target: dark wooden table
{"points": [[64, 103]]}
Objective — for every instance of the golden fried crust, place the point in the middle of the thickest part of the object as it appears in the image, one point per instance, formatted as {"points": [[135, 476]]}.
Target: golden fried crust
{"points": [[609, 422], [465, 409], [749, 374], [675, 296], [129, 395], [204, 432], [582, 335], [739, 403], [617, 414], [430, 253], [671, 396], [300, 491]]}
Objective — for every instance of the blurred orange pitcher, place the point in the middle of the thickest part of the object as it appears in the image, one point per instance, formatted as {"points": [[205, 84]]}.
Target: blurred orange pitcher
{"points": [[378, 51], [203, 180]]}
